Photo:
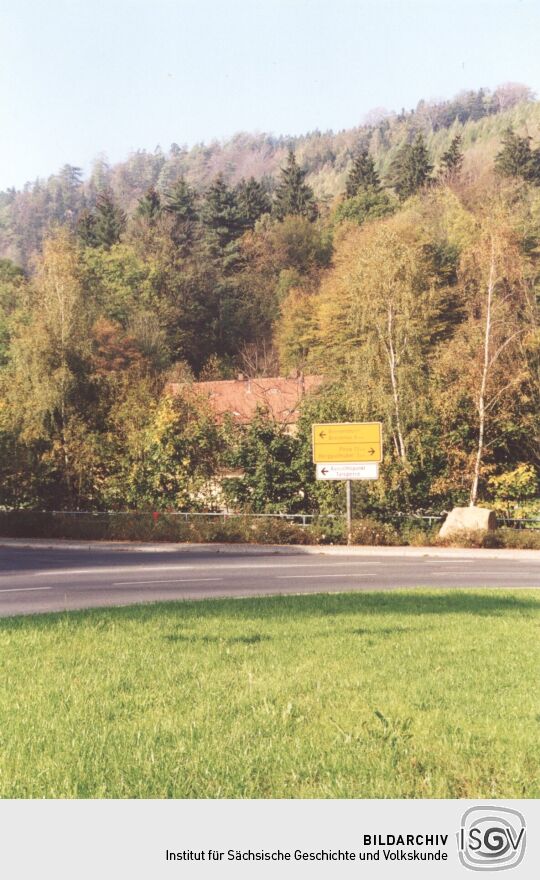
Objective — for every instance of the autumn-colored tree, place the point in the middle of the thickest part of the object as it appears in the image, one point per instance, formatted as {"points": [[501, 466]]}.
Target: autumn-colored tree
{"points": [[379, 315], [375, 317], [12, 296], [301, 244], [296, 332], [120, 281], [47, 373], [113, 350], [175, 456], [367, 204], [275, 258], [486, 383]]}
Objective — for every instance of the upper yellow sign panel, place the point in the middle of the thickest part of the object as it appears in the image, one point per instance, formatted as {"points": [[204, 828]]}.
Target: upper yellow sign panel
{"points": [[347, 441]]}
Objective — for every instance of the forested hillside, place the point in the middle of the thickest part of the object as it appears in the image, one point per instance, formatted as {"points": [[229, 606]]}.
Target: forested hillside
{"points": [[399, 259], [479, 117]]}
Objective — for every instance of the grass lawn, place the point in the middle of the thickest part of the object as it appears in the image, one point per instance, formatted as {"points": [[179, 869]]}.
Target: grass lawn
{"points": [[389, 694]]}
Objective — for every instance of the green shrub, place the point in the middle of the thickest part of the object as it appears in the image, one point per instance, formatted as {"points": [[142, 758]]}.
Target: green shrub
{"points": [[520, 539], [137, 527], [514, 490], [246, 529], [526, 539], [329, 530], [373, 532], [419, 536], [417, 532], [228, 531], [471, 538], [278, 531]]}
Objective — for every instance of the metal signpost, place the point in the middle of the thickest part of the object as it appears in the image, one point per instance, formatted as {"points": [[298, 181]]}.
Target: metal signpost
{"points": [[347, 451]]}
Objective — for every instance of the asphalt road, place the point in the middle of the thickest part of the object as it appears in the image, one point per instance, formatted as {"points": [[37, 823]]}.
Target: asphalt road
{"points": [[39, 580]]}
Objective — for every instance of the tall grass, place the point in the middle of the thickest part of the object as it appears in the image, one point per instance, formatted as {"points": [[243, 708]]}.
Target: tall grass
{"points": [[146, 526], [398, 694]]}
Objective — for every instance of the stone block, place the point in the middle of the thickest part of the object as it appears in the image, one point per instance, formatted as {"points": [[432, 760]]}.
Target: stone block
{"points": [[465, 519]]}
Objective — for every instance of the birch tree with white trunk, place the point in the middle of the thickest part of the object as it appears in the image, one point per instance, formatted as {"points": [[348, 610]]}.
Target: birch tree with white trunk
{"points": [[375, 318], [485, 365]]}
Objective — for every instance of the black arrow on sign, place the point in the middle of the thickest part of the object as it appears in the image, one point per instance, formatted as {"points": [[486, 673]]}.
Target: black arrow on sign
{"points": [[371, 451], [324, 470], [322, 434]]}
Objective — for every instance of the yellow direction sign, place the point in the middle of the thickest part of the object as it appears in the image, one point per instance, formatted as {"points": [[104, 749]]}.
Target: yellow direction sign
{"points": [[347, 441]]}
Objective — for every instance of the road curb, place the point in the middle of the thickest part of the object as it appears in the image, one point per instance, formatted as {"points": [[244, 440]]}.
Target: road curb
{"points": [[270, 549]]}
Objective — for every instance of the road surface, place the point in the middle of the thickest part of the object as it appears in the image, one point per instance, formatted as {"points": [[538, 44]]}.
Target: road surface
{"points": [[39, 580]]}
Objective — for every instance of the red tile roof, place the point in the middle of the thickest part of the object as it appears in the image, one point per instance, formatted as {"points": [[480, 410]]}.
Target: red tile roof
{"points": [[240, 398]]}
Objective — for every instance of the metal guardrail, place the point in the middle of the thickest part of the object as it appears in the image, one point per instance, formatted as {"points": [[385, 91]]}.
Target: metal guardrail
{"points": [[430, 518], [303, 519], [510, 522], [517, 523]]}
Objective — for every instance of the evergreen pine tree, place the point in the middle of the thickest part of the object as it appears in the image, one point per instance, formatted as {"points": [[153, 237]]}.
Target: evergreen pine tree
{"points": [[411, 168], [362, 175], [253, 201], [452, 159], [149, 207], [86, 228], [515, 159], [220, 214], [109, 221], [181, 206], [180, 201], [293, 195], [533, 174]]}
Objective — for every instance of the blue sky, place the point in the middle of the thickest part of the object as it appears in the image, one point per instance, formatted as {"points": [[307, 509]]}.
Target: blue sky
{"points": [[82, 78]]}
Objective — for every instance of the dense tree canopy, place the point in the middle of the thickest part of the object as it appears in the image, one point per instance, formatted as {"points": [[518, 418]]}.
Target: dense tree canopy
{"points": [[403, 271]]}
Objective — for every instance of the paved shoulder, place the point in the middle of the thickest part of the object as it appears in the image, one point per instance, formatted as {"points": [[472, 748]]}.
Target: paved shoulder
{"points": [[269, 549]]}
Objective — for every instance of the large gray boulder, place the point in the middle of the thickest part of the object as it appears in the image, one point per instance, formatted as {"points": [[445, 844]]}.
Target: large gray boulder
{"points": [[468, 519]]}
